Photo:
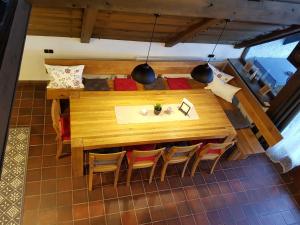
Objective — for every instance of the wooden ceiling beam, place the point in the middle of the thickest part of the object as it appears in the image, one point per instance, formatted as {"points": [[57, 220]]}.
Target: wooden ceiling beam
{"points": [[88, 23], [269, 37], [192, 31], [267, 11]]}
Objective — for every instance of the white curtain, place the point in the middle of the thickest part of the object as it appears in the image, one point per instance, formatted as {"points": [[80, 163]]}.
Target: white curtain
{"points": [[287, 151]]}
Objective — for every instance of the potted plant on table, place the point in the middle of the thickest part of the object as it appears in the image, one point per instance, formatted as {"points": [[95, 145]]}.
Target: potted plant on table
{"points": [[157, 109]]}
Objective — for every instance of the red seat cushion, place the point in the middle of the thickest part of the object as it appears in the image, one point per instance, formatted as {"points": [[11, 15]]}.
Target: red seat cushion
{"points": [[65, 128], [139, 159], [214, 151], [124, 84], [178, 83]]}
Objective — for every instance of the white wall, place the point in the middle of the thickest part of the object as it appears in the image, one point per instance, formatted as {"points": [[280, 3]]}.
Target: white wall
{"points": [[33, 58]]}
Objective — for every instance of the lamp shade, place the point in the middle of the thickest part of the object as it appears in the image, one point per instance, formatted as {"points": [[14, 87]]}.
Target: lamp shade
{"points": [[143, 74], [202, 74]]}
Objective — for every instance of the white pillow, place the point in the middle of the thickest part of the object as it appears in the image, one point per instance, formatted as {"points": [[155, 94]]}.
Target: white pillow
{"points": [[177, 75], [223, 90], [223, 76], [65, 76]]}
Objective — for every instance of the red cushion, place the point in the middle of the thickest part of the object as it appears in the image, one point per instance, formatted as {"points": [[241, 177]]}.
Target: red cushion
{"points": [[124, 84], [139, 159], [214, 151], [65, 127], [178, 83]]}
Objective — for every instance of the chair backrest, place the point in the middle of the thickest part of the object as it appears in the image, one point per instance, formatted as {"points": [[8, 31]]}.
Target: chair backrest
{"points": [[146, 154], [185, 151], [55, 115], [223, 147], [106, 159]]}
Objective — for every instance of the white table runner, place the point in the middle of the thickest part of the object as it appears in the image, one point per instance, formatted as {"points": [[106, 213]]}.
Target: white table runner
{"points": [[132, 114]]}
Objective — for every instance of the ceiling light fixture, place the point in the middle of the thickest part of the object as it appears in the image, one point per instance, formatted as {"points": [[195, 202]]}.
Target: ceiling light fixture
{"points": [[203, 73], [143, 73]]}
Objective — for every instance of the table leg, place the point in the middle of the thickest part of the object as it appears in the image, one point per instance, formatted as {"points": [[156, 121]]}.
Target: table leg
{"points": [[77, 157]]}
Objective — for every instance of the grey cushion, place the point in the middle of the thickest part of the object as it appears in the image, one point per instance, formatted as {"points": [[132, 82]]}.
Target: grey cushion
{"points": [[95, 85], [237, 119], [157, 85]]}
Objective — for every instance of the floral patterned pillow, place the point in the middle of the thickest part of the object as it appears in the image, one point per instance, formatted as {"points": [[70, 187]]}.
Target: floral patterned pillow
{"points": [[65, 76]]}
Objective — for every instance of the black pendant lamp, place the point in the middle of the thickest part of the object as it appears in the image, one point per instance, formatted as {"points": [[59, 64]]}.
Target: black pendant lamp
{"points": [[203, 73], [143, 73]]}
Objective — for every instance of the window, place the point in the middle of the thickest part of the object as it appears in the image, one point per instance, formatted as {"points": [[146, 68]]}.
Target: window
{"points": [[271, 61]]}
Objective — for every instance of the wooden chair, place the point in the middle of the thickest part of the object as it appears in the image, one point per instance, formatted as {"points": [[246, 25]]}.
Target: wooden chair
{"points": [[142, 159], [177, 155], [61, 125], [211, 151], [110, 162]]}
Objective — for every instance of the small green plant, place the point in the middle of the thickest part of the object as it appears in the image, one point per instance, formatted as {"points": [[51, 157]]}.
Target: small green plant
{"points": [[157, 107]]}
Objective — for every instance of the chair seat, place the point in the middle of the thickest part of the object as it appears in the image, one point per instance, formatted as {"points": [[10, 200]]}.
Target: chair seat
{"points": [[211, 154], [124, 84], [178, 83], [65, 128], [139, 159], [177, 157], [105, 168]]}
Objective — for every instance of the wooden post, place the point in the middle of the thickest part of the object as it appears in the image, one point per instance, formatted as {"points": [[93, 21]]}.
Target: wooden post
{"points": [[77, 157]]}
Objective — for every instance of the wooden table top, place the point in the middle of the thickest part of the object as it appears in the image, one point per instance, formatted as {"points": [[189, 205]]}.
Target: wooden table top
{"points": [[94, 124]]}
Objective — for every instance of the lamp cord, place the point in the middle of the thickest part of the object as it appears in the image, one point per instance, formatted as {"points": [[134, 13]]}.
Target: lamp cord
{"points": [[156, 16], [219, 38]]}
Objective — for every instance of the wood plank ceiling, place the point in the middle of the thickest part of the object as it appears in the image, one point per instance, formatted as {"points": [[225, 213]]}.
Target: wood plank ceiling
{"points": [[137, 26]]}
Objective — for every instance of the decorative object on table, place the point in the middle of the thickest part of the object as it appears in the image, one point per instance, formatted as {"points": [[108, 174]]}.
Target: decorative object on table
{"points": [[65, 76], [169, 110], [143, 73], [157, 109], [203, 73], [144, 112], [185, 106]]}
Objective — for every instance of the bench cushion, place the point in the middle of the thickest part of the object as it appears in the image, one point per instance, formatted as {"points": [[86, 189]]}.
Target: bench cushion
{"points": [[178, 83], [157, 85], [95, 84], [124, 84], [65, 128], [237, 119]]}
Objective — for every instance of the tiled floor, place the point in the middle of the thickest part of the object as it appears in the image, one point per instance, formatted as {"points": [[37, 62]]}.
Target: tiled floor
{"points": [[246, 192]]}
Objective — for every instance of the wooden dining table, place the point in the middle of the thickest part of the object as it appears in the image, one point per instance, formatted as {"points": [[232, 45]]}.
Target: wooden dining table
{"points": [[94, 124]]}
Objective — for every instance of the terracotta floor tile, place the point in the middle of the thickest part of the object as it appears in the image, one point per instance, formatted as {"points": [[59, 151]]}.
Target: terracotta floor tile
{"points": [[126, 203], [201, 219], [48, 173], [80, 211], [109, 192], [80, 196], [157, 213], [137, 187], [187, 220], [82, 222], [153, 199], [170, 211], [96, 208], [113, 219], [48, 186], [32, 202], [111, 206], [48, 201], [129, 218], [35, 150], [191, 192], [123, 190], [34, 175], [183, 208], [64, 198], [166, 197], [64, 213], [33, 188], [140, 201], [48, 216], [98, 220], [143, 216], [95, 195], [64, 184]]}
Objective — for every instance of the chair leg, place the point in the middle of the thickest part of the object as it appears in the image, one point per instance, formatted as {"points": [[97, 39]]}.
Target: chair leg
{"points": [[129, 173], [59, 148], [184, 168], [195, 165], [117, 172], [152, 173], [91, 180], [163, 171], [214, 165]]}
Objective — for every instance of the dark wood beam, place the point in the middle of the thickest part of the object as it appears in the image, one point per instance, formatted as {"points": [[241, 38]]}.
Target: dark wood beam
{"points": [[88, 23], [192, 31], [269, 37], [267, 11], [10, 66]]}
